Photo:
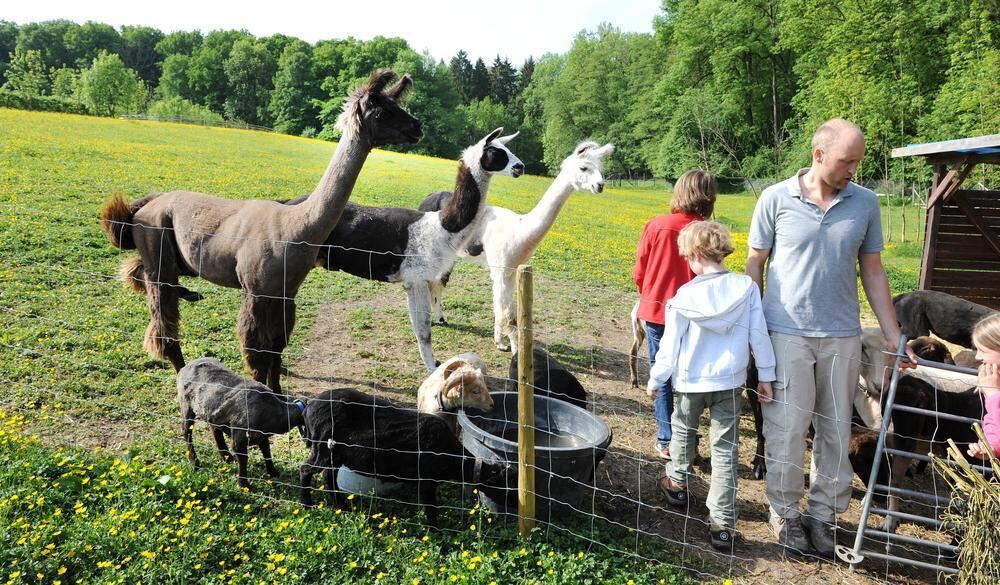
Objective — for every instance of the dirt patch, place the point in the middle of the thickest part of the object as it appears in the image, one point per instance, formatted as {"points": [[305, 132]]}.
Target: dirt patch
{"points": [[588, 330]]}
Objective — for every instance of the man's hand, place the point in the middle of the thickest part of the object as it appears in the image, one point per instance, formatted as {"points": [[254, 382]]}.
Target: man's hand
{"points": [[904, 364], [764, 392]]}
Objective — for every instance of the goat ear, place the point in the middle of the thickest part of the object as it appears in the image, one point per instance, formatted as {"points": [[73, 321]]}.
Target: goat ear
{"points": [[508, 138], [404, 85], [492, 135], [377, 82]]}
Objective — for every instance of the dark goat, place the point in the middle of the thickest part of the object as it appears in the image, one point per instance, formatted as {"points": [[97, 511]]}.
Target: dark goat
{"points": [[951, 318], [926, 431], [381, 439], [247, 411], [552, 379]]}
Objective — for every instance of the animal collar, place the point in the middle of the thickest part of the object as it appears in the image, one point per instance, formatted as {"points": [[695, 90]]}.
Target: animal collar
{"points": [[301, 405], [441, 403]]}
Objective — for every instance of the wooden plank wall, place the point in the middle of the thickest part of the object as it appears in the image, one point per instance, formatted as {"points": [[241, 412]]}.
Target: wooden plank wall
{"points": [[964, 264]]}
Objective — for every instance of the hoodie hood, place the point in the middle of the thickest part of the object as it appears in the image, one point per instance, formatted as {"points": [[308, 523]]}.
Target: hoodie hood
{"points": [[717, 301]]}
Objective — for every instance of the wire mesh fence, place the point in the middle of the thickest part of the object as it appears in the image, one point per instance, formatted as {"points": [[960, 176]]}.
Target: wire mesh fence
{"points": [[355, 333]]}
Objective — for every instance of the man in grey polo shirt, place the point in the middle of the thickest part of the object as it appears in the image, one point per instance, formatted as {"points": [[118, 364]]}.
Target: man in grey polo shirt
{"points": [[814, 231]]}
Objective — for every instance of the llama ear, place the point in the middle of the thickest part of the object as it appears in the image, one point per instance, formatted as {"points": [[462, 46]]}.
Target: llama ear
{"points": [[377, 82], [404, 85], [492, 135], [508, 138], [584, 147], [605, 151]]}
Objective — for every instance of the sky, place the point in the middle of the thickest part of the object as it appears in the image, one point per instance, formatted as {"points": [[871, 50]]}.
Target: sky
{"points": [[515, 29]]}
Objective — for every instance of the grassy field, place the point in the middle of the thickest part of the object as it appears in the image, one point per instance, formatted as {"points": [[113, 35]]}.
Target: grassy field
{"points": [[74, 372]]}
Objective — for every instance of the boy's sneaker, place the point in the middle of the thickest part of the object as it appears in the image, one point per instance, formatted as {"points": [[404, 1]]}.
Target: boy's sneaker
{"points": [[722, 537], [790, 534], [821, 534], [662, 451], [676, 495]]}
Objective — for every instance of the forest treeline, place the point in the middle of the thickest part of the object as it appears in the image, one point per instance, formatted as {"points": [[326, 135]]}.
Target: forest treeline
{"points": [[733, 86]]}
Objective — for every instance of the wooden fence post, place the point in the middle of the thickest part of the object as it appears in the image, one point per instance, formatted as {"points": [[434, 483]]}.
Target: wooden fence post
{"points": [[525, 404]]}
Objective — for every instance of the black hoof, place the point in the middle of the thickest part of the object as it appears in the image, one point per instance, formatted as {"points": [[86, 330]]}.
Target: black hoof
{"points": [[191, 296]]}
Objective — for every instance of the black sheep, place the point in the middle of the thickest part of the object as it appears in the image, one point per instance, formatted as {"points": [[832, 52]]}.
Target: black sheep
{"points": [[379, 438], [552, 379]]}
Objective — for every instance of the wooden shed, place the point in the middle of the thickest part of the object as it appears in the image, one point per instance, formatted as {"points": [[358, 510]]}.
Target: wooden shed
{"points": [[961, 244]]}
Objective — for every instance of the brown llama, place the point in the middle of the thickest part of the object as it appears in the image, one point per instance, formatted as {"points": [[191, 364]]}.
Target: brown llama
{"points": [[261, 247]]}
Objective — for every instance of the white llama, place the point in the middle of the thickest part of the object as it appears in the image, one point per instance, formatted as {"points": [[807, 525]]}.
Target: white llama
{"points": [[505, 239]]}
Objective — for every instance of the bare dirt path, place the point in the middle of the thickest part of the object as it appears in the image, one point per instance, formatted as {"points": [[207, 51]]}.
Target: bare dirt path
{"points": [[368, 343]]}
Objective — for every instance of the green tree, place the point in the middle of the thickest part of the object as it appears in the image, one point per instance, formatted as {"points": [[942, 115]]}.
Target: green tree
{"points": [[109, 88], [480, 80], [27, 73], [206, 73], [461, 72], [174, 81], [138, 52], [968, 102], [179, 43], [47, 38], [503, 81], [291, 105], [8, 43], [250, 71], [85, 42], [482, 116], [66, 83]]}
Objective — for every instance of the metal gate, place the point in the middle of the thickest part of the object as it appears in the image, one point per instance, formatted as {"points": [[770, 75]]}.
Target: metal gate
{"points": [[891, 541]]}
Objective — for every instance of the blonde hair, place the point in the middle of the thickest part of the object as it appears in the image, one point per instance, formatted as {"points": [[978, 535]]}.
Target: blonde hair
{"points": [[695, 192], [706, 239], [986, 333]]}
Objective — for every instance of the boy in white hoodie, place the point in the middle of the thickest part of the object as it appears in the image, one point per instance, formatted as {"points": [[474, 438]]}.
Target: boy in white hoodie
{"points": [[710, 326]]}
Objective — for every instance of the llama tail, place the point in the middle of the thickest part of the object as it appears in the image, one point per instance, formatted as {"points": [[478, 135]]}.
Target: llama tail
{"points": [[133, 274], [116, 218], [116, 221]]}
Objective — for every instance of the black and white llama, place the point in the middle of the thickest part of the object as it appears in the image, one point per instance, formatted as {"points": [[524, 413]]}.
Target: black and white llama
{"points": [[395, 244], [504, 239]]}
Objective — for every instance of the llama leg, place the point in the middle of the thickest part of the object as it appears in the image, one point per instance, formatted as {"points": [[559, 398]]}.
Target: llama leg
{"points": [[436, 290], [241, 446], [264, 327], [220, 444], [638, 337], [418, 300], [265, 450], [187, 424], [504, 318], [159, 260]]}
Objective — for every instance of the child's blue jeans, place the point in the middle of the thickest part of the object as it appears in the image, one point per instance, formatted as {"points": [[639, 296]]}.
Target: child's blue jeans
{"points": [[663, 404]]}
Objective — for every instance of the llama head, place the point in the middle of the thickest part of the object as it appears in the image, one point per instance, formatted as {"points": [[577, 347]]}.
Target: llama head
{"points": [[465, 382], [585, 167], [491, 156], [372, 111]]}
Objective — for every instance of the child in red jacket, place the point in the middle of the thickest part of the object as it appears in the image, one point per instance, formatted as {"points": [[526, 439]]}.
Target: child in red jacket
{"points": [[660, 270]]}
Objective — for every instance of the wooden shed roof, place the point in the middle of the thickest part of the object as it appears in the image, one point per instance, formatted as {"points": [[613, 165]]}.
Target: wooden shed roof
{"points": [[979, 145]]}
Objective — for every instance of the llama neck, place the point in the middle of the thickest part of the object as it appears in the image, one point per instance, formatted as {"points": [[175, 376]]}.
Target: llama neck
{"points": [[538, 221], [324, 206], [471, 187]]}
